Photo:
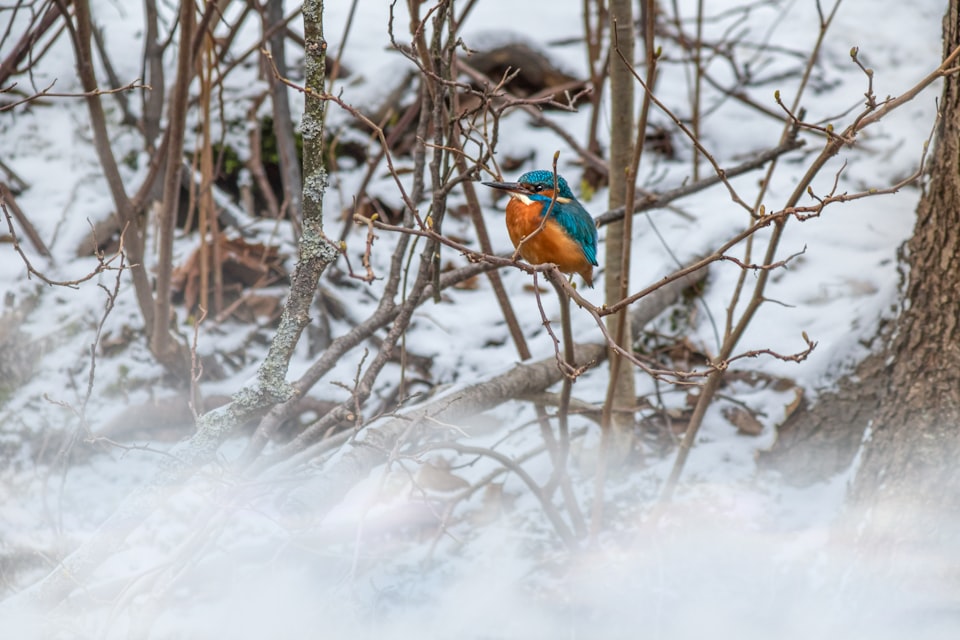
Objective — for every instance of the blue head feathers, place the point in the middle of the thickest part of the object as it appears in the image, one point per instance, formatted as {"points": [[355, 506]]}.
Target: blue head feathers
{"points": [[545, 180]]}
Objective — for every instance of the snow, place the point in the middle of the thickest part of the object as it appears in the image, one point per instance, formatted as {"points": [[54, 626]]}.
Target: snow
{"points": [[739, 553]]}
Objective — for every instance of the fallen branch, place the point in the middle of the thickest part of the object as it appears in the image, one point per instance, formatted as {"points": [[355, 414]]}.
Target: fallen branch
{"points": [[373, 445]]}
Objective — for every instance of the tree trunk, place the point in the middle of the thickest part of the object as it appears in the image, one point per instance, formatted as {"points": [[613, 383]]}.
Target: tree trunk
{"points": [[914, 445], [903, 403], [624, 398]]}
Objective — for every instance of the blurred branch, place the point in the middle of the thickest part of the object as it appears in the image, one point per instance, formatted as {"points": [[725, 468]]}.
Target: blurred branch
{"points": [[255, 162], [129, 118], [165, 348], [81, 36], [282, 122], [24, 47], [153, 73], [6, 198]]}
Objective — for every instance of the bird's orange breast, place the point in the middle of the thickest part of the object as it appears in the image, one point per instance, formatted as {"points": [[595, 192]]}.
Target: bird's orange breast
{"points": [[551, 244]]}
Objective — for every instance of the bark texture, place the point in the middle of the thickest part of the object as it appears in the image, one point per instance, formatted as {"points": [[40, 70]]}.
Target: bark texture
{"points": [[914, 444], [903, 403], [616, 279]]}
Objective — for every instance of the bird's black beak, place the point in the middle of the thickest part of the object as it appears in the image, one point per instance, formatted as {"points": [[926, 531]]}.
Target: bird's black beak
{"points": [[512, 187]]}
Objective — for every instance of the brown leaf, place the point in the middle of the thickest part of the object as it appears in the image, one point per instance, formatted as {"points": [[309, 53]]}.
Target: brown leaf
{"points": [[437, 477], [683, 350], [745, 422], [111, 343], [243, 266], [535, 72], [794, 404], [509, 164], [495, 504], [263, 306], [470, 284]]}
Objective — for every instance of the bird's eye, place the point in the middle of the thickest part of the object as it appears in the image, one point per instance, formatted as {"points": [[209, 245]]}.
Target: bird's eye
{"points": [[537, 187]]}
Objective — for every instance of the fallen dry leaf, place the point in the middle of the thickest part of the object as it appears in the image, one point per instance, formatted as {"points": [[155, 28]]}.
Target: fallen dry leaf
{"points": [[745, 422]]}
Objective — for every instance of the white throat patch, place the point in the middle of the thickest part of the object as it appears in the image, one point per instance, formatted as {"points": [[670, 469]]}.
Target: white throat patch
{"points": [[522, 198], [527, 200]]}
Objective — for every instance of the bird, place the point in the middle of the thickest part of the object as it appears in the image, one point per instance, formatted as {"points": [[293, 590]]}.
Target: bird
{"points": [[569, 237]]}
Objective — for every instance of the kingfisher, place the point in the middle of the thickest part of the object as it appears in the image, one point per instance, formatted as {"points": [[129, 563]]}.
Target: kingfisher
{"points": [[569, 237]]}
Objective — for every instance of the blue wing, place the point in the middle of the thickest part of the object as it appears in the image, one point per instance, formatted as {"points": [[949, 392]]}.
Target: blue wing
{"points": [[578, 224]]}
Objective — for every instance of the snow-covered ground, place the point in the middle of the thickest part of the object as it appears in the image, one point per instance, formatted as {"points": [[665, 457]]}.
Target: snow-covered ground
{"points": [[738, 554]]}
